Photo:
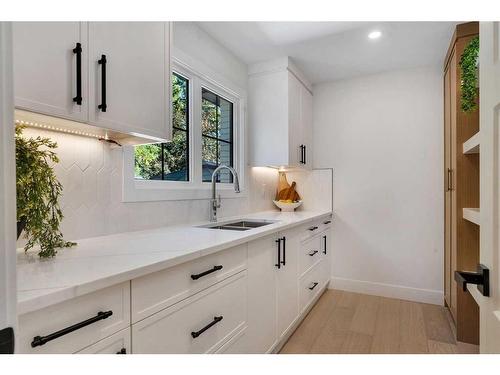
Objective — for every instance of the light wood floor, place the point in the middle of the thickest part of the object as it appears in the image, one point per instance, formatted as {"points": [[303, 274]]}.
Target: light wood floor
{"points": [[344, 322]]}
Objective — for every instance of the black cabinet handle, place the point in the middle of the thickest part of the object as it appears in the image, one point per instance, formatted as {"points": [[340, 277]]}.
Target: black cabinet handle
{"points": [[42, 340], [284, 251], [216, 320], [327, 222], [313, 229], [324, 244], [103, 61], [216, 268], [313, 286], [278, 241], [302, 154], [305, 155], [313, 253], [78, 50], [122, 351], [481, 278]]}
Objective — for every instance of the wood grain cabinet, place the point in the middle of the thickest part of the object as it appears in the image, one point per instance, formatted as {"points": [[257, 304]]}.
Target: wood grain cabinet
{"points": [[280, 115], [461, 190], [113, 75]]}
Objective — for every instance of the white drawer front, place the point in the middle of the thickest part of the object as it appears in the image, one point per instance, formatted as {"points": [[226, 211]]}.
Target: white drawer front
{"points": [[171, 330], [325, 224], [310, 230], [312, 283], [119, 343], [159, 290], [55, 318], [310, 254]]}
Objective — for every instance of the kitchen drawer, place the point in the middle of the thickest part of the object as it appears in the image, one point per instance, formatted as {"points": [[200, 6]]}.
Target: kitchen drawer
{"points": [[52, 319], [237, 344], [311, 229], [214, 315], [119, 343], [312, 283], [325, 224], [159, 290], [310, 253]]}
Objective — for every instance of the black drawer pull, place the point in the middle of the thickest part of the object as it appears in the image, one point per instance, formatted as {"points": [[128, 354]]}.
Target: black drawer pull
{"points": [[216, 268], [314, 286], [284, 251], [78, 50], [103, 61], [327, 222], [324, 244], [216, 320], [313, 228], [278, 241], [122, 351], [42, 340], [313, 253]]}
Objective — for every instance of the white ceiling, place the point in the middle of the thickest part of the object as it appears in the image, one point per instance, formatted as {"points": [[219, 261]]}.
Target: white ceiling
{"points": [[327, 51]]}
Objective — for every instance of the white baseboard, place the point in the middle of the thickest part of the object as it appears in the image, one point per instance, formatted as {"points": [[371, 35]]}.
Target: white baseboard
{"points": [[434, 297]]}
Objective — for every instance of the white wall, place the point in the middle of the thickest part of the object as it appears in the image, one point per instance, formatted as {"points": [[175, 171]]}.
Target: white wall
{"points": [[383, 137]]}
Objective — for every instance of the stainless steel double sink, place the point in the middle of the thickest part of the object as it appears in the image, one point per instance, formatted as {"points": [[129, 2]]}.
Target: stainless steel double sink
{"points": [[240, 225]]}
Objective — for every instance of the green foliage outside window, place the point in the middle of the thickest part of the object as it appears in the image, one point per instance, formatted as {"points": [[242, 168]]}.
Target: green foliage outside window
{"points": [[469, 74]]}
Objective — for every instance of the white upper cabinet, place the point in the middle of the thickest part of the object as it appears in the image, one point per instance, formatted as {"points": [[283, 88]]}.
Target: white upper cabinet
{"points": [[45, 68], [280, 115], [127, 92], [129, 74]]}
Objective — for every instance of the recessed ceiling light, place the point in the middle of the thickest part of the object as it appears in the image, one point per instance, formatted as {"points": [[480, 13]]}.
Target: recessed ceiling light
{"points": [[375, 34]]}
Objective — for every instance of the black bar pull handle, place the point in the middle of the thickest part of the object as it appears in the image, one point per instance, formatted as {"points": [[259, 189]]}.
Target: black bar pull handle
{"points": [[42, 340], [305, 154], [284, 250], [78, 50], [312, 229], [313, 253], [205, 273], [327, 222], [301, 154], [103, 61], [313, 286], [216, 320], [122, 351], [324, 244], [278, 241]]}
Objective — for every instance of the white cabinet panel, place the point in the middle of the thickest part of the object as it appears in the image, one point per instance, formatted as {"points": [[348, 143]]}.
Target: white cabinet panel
{"points": [[119, 343], [262, 260], [45, 68], [199, 324], [137, 77], [306, 121], [287, 283], [52, 319]]}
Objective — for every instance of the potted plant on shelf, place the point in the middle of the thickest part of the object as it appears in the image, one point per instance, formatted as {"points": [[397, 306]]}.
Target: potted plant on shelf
{"points": [[38, 190], [469, 66]]}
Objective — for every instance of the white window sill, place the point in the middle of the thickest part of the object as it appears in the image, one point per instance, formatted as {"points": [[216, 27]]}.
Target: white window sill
{"points": [[150, 191]]}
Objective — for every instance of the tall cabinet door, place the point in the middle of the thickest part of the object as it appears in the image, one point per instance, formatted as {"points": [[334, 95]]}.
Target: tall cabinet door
{"points": [[295, 140], [262, 261], [306, 116], [287, 293], [136, 88], [45, 68], [447, 188], [455, 216]]}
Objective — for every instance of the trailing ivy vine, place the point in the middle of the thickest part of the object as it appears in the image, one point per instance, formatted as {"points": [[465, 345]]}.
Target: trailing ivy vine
{"points": [[469, 83], [38, 192]]}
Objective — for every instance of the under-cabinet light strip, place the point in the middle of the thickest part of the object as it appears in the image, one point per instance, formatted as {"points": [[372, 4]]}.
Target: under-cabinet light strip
{"points": [[57, 129]]}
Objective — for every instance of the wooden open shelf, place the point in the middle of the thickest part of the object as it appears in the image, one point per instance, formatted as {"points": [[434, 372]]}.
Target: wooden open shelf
{"points": [[471, 146], [472, 215]]}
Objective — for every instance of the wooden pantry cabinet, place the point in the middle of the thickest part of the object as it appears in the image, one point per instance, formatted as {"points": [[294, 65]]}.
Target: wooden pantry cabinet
{"points": [[100, 73], [461, 185]]}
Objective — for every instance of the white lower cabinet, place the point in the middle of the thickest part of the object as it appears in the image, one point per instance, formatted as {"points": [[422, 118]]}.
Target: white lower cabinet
{"points": [[72, 325], [200, 324], [119, 343]]}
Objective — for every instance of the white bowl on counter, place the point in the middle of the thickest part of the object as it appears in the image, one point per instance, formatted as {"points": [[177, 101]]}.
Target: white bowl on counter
{"points": [[287, 207]]}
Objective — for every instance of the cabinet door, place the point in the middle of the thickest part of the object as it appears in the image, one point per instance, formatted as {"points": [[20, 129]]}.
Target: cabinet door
{"points": [[447, 194], [295, 139], [137, 80], [306, 117], [45, 76], [287, 283], [262, 258]]}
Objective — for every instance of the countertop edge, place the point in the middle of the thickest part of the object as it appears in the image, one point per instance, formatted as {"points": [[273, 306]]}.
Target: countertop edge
{"points": [[61, 294]]}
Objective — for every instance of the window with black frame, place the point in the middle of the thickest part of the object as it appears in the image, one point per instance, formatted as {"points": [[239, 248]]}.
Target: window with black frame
{"points": [[217, 135], [169, 161]]}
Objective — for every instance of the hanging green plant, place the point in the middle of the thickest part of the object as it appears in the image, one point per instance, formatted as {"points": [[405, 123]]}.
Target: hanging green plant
{"points": [[469, 73], [38, 192]]}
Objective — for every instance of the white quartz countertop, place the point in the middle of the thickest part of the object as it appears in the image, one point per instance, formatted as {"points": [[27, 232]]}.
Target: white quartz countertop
{"points": [[99, 262]]}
